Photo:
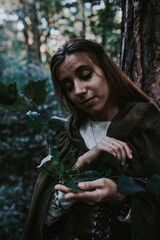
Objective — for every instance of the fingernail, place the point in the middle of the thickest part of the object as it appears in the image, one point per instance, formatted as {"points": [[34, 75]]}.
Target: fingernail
{"points": [[81, 184], [130, 156]]}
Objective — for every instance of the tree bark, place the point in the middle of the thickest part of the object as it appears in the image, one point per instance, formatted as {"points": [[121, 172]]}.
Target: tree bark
{"points": [[140, 46]]}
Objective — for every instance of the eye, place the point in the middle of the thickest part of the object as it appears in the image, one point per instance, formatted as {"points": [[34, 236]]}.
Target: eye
{"points": [[68, 87], [86, 75]]}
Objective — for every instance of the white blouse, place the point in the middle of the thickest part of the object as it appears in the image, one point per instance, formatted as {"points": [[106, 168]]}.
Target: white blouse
{"points": [[93, 132]]}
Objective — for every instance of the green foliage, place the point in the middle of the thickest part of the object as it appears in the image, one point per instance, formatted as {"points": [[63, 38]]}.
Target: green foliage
{"points": [[153, 186], [124, 167], [36, 91], [6, 97], [18, 142], [150, 165], [34, 120], [12, 89], [55, 123], [106, 26], [52, 166], [21, 150], [128, 186], [100, 168], [112, 160], [14, 204], [72, 178], [19, 146], [9, 97]]}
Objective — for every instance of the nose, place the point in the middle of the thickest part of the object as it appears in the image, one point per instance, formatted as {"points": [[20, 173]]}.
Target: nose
{"points": [[79, 87]]}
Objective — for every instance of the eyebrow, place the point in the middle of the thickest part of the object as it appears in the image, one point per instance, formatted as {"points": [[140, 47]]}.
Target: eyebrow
{"points": [[81, 67]]}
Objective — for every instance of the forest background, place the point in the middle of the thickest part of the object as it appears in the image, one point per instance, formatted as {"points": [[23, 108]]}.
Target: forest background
{"points": [[30, 33]]}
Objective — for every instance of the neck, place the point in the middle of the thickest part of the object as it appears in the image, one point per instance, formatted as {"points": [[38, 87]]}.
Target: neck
{"points": [[107, 115]]}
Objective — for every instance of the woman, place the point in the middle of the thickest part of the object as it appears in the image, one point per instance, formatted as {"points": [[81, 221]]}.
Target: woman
{"points": [[109, 114]]}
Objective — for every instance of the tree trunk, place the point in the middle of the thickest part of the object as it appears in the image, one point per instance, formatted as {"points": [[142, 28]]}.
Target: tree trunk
{"points": [[31, 33], [140, 46], [81, 17]]}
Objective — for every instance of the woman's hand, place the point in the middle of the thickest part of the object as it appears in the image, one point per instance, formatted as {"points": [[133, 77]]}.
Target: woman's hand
{"points": [[100, 190], [117, 148]]}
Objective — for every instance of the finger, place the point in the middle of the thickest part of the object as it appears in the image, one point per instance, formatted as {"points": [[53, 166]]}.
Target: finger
{"points": [[89, 156], [128, 150], [124, 156], [81, 160], [112, 146], [83, 196], [90, 185], [120, 152], [62, 188], [106, 147], [124, 144], [90, 203]]}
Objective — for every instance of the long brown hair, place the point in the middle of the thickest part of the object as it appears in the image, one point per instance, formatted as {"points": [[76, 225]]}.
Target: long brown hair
{"points": [[121, 87]]}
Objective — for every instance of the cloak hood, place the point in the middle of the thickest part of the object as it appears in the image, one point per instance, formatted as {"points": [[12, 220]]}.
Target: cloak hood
{"points": [[132, 119]]}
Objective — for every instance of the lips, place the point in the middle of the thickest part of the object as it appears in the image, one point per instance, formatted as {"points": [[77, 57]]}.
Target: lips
{"points": [[88, 100]]}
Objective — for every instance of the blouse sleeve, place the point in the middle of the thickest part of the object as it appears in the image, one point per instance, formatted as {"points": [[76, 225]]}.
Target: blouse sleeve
{"points": [[57, 208]]}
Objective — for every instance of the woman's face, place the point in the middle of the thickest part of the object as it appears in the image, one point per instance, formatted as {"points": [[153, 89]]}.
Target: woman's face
{"points": [[85, 85]]}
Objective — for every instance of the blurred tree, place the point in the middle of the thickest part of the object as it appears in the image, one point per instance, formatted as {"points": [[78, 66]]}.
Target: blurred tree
{"points": [[31, 32], [106, 25], [81, 17], [140, 46], [47, 24]]}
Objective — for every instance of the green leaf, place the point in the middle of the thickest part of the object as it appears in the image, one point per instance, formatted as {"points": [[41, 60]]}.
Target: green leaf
{"points": [[72, 178], [12, 89], [9, 98], [61, 169], [72, 185], [90, 175], [45, 171], [36, 91], [150, 164], [56, 123], [153, 184], [46, 159], [6, 98], [125, 167], [112, 160], [51, 165], [108, 172], [34, 120], [128, 186], [17, 105]]}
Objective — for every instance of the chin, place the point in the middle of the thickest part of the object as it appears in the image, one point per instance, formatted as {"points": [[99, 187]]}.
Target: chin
{"points": [[94, 113]]}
